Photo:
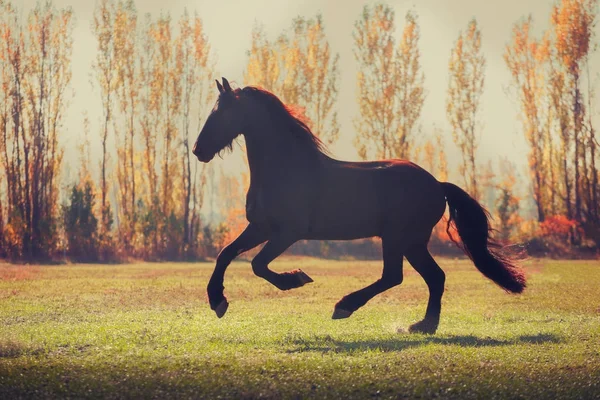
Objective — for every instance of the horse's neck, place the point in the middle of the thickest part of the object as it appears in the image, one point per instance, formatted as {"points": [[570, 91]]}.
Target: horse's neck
{"points": [[277, 155], [265, 157]]}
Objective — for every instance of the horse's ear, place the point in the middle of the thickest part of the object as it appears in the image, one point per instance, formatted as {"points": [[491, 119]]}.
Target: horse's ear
{"points": [[226, 85], [219, 86]]}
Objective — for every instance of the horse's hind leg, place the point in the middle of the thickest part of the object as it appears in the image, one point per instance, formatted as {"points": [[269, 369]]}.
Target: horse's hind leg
{"points": [[391, 276], [421, 260], [284, 280]]}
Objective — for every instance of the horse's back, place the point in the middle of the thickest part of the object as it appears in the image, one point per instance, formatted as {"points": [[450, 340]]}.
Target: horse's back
{"points": [[360, 199]]}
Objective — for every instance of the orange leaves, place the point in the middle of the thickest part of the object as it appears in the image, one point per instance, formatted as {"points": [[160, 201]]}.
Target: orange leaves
{"points": [[558, 227], [526, 59], [390, 84], [235, 220], [35, 74], [465, 88], [300, 69], [547, 76], [409, 36], [157, 73], [572, 21], [432, 156]]}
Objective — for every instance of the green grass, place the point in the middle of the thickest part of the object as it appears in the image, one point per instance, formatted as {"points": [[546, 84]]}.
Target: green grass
{"points": [[145, 330]]}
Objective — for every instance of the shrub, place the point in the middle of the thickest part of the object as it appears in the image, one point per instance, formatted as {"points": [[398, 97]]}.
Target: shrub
{"points": [[81, 225]]}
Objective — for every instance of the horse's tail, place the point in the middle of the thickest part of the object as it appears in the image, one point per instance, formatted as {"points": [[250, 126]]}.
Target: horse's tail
{"points": [[472, 223]]}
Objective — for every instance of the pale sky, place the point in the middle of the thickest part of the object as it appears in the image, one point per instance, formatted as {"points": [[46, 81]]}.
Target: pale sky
{"points": [[228, 24]]}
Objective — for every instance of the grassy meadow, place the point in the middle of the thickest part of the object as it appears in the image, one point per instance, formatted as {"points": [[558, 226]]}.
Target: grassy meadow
{"points": [[146, 331]]}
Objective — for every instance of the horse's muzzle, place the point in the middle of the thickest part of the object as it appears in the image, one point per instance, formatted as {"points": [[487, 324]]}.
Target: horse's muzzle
{"points": [[202, 157]]}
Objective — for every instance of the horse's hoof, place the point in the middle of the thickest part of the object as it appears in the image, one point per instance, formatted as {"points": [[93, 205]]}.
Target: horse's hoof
{"points": [[424, 327], [340, 313], [303, 278], [292, 280], [222, 308]]}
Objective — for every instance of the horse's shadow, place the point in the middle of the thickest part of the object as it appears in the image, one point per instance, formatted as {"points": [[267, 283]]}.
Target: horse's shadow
{"points": [[326, 344]]}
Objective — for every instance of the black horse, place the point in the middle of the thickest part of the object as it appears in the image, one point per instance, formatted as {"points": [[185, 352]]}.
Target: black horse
{"points": [[297, 191]]}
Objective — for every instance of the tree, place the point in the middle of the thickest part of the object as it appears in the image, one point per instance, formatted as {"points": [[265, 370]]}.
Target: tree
{"points": [[300, 68], [572, 24], [434, 156], [487, 185], [262, 68], [35, 73], [167, 94], [390, 83], [127, 90], [106, 77], [507, 204], [526, 59], [318, 77], [561, 110], [193, 54], [465, 89], [411, 94], [81, 225], [148, 205], [153, 77]]}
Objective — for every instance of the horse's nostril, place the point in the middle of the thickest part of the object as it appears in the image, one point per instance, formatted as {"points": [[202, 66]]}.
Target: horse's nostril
{"points": [[197, 151]]}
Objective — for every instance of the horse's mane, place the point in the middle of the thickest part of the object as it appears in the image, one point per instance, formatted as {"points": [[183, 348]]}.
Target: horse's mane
{"points": [[286, 116]]}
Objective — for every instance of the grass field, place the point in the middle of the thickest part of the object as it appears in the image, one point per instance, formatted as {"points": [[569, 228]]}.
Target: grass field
{"points": [[145, 330]]}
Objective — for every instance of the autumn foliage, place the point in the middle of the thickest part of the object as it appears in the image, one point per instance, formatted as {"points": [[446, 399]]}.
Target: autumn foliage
{"points": [[558, 227], [551, 78], [35, 73], [140, 194], [153, 77], [390, 84]]}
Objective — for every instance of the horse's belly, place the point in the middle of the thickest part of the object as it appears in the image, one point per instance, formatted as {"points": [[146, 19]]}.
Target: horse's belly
{"points": [[347, 218]]}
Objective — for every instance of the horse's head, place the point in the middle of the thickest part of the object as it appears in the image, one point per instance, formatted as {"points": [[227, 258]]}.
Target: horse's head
{"points": [[222, 126]]}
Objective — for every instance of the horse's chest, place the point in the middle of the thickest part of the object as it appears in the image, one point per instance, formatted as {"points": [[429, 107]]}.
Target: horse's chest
{"points": [[275, 206], [255, 209]]}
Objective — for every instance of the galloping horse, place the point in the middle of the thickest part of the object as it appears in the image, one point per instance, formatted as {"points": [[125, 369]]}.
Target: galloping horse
{"points": [[297, 191]]}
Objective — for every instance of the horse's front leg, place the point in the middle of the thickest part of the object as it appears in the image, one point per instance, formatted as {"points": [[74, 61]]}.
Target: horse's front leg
{"points": [[284, 280], [251, 237]]}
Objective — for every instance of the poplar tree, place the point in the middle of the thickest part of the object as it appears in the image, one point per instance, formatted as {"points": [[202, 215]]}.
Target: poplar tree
{"points": [[463, 104], [390, 83]]}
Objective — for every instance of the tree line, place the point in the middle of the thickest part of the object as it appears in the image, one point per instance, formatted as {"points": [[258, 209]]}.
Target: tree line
{"points": [[553, 83], [140, 195]]}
